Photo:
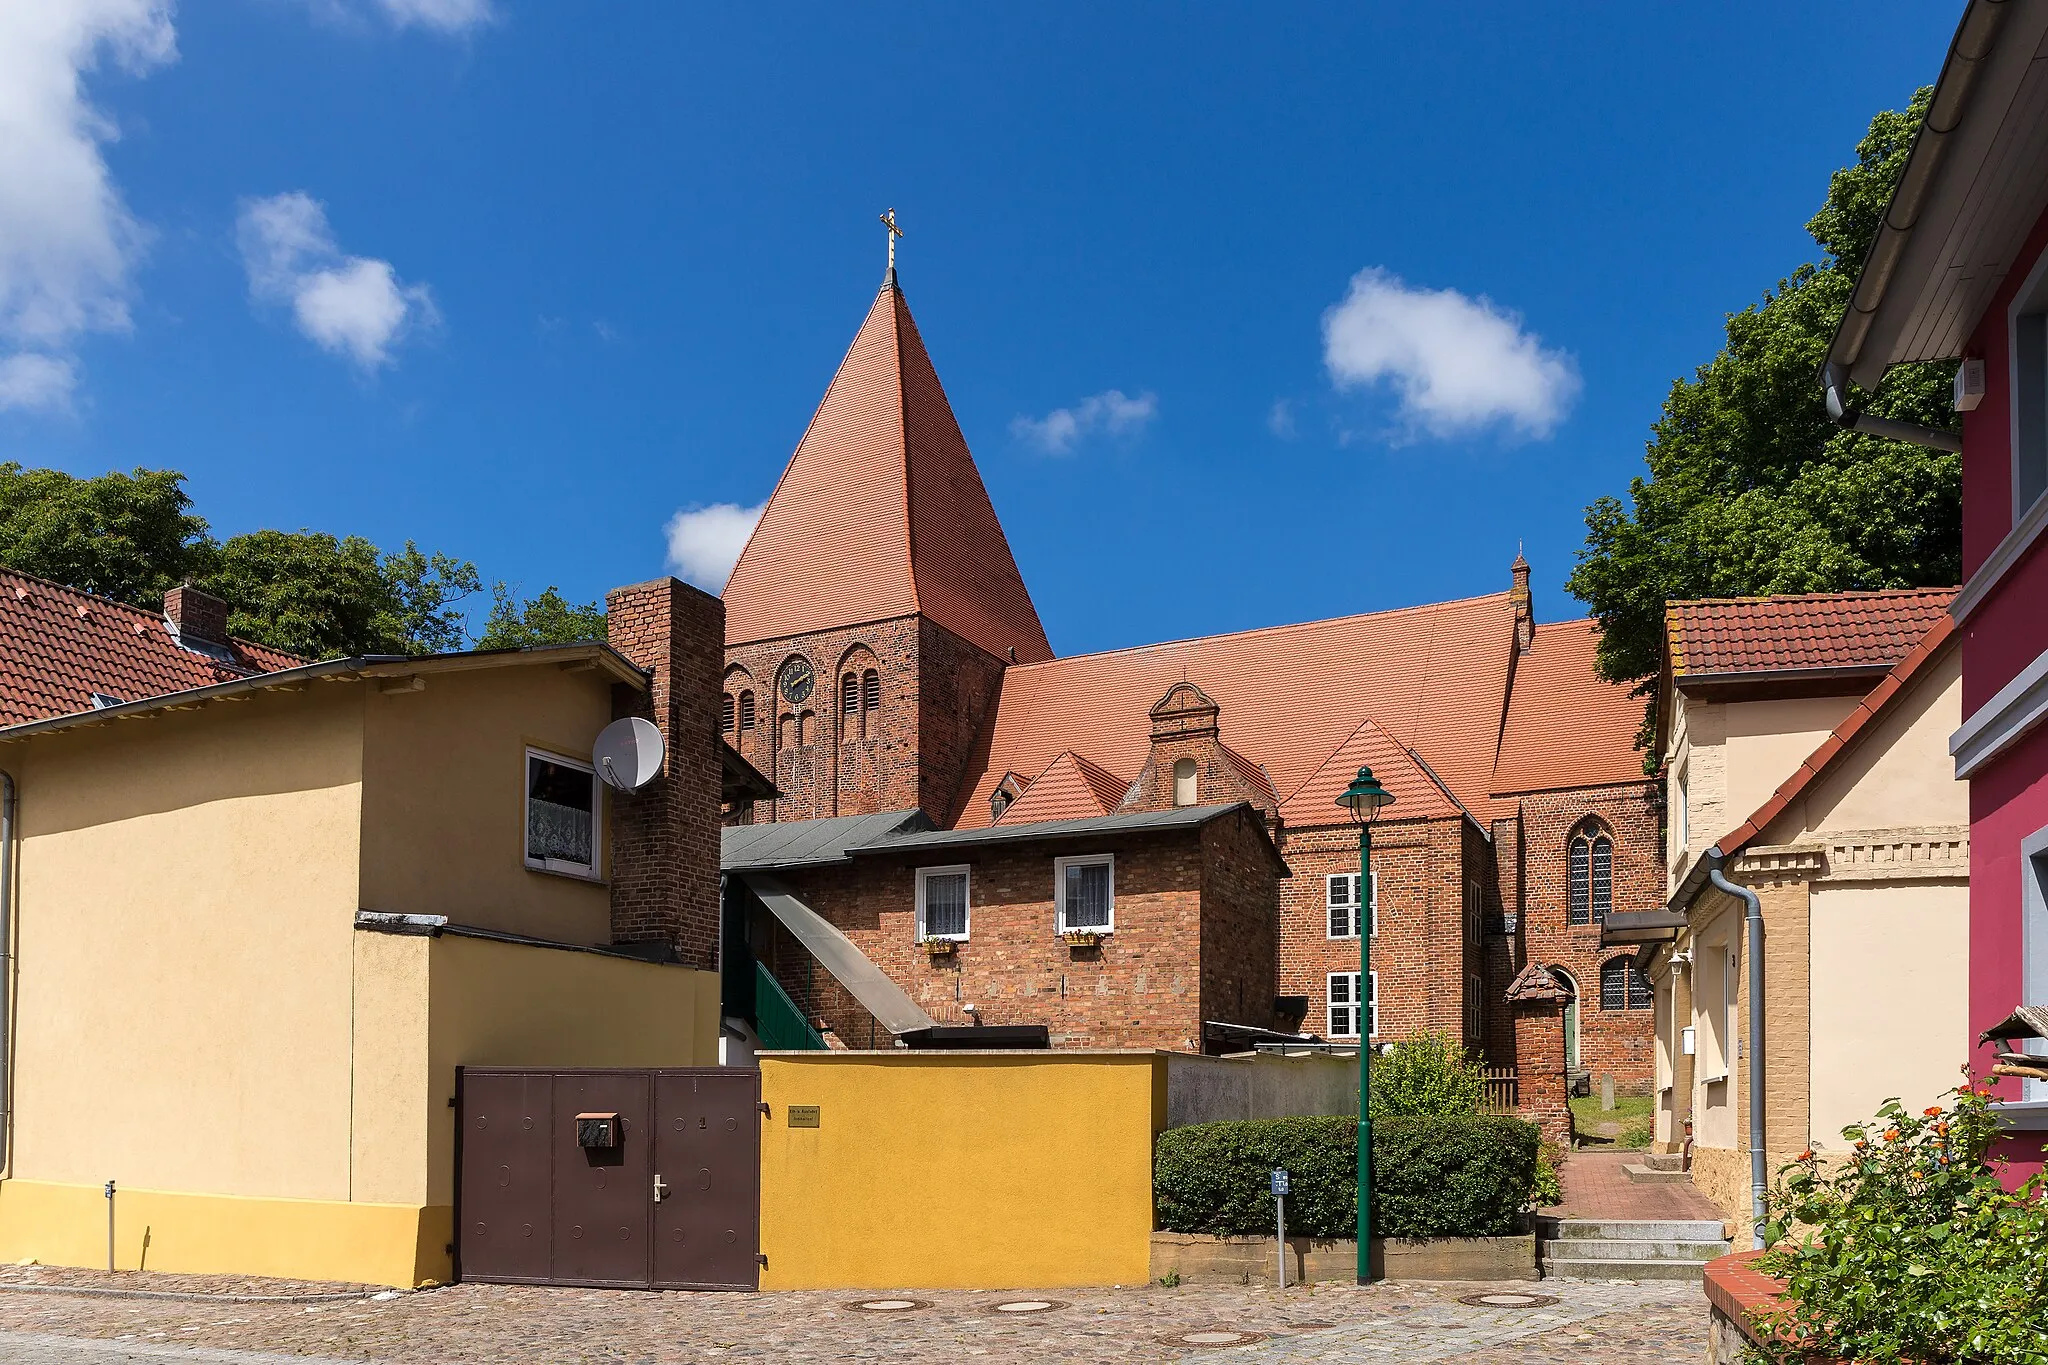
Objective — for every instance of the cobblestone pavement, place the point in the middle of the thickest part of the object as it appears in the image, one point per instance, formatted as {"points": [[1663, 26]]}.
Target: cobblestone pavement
{"points": [[1591, 1324]]}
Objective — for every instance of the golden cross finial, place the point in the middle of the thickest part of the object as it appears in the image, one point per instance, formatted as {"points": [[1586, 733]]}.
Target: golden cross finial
{"points": [[889, 222]]}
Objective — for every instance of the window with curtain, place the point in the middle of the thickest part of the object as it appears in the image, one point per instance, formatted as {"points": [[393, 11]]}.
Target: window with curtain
{"points": [[942, 902], [1086, 891], [561, 815]]}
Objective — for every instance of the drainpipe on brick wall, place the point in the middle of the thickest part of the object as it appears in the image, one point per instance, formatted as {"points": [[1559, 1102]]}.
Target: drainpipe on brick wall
{"points": [[1753, 932], [7, 804]]}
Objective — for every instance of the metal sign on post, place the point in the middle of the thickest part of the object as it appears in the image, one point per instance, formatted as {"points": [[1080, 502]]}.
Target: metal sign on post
{"points": [[1280, 1211]]}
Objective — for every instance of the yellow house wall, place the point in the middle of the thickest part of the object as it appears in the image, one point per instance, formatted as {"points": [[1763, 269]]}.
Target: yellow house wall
{"points": [[1767, 741], [967, 1171], [444, 817]]}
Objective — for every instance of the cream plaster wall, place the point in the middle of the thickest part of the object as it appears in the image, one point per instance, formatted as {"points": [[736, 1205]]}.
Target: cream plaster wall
{"points": [[1768, 740], [1890, 998], [187, 892], [444, 817], [1899, 775]]}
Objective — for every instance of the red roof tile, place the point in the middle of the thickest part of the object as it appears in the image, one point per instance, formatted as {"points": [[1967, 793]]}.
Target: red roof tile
{"points": [[1070, 788], [1566, 726], [58, 646], [1844, 736], [882, 514], [1432, 676], [1812, 630], [1417, 795], [1254, 774]]}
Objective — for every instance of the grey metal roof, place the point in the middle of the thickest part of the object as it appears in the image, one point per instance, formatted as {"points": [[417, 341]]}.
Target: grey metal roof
{"points": [[810, 843], [1136, 822]]}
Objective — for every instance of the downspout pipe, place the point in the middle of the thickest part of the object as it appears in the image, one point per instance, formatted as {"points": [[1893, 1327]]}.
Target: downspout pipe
{"points": [[7, 810], [1833, 377], [1753, 933]]}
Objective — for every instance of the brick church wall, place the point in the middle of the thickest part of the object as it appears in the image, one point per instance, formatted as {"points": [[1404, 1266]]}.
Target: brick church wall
{"points": [[961, 683], [1611, 1042], [1239, 924]]}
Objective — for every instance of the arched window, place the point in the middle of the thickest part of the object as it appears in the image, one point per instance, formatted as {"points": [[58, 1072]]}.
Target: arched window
{"points": [[849, 693], [870, 690], [1589, 877], [746, 711], [1623, 985], [1185, 790], [725, 715]]}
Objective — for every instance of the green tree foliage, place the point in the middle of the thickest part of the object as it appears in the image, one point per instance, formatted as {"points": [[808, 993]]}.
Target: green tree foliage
{"points": [[128, 537], [321, 596], [1427, 1076], [1751, 489], [549, 619]]}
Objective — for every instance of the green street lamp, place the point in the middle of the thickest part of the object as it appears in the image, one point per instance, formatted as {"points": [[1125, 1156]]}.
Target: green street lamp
{"points": [[1364, 798]]}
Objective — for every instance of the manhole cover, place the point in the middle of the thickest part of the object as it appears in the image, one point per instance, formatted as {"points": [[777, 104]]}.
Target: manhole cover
{"points": [[1026, 1306], [887, 1305], [1508, 1300], [1213, 1336]]}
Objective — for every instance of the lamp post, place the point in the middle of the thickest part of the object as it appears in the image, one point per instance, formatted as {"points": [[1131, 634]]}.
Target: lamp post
{"points": [[1364, 798]]}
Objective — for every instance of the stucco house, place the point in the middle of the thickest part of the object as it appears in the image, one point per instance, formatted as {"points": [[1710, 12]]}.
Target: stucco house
{"points": [[259, 910], [1804, 744]]}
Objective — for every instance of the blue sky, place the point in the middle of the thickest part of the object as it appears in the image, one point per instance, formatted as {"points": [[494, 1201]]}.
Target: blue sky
{"points": [[1335, 303]]}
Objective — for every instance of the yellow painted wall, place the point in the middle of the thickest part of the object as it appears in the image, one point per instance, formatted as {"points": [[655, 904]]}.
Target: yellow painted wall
{"points": [[444, 820], [185, 916], [1768, 740], [974, 1171]]}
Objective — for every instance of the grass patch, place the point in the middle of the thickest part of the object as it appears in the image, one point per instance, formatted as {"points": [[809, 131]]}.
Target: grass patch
{"points": [[1631, 1122]]}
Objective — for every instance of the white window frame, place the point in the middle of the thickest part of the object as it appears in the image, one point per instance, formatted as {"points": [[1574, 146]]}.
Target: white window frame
{"points": [[966, 873], [560, 867], [1366, 1012], [1373, 901], [1059, 891]]}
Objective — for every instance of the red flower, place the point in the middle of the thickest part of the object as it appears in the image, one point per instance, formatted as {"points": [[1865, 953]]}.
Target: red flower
{"points": [[1932, 1110], [1891, 1135], [1806, 1155]]}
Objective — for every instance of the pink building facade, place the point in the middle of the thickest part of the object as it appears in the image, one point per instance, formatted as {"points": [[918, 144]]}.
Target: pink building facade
{"points": [[1960, 271]]}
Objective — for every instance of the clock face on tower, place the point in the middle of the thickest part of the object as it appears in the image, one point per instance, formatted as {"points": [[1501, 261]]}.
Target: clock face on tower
{"points": [[797, 681]]}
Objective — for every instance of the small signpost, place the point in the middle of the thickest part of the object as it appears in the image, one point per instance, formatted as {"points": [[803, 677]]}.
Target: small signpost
{"points": [[1280, 1211]]}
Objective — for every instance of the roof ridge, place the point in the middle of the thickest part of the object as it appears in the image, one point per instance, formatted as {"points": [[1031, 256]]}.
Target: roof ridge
{"points": [[1851, 595], [1282, 629]]}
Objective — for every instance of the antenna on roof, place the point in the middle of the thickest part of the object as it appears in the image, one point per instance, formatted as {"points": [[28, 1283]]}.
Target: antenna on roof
{"points": [[889, 222]]}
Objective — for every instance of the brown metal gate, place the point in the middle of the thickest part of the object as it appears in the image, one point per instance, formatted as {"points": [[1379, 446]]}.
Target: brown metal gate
{"points": [[611, 1178]]}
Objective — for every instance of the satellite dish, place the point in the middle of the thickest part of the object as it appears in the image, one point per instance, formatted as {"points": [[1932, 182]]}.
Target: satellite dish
{"points": [[627, 754]]}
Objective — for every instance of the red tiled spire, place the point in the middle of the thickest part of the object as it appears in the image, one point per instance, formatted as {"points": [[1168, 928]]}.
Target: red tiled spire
{"points": [[881, 512]]}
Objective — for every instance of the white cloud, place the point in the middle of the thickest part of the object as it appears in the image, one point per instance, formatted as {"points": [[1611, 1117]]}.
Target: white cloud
{"points": [[705, 542], [446, 16], [350, 305], [68, 244], [1280, 419], [1459, 363], [33, 382], [1111, 411]]}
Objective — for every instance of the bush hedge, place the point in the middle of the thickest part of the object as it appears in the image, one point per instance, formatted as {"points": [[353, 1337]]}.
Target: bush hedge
{"points": [[1432, 1177]]}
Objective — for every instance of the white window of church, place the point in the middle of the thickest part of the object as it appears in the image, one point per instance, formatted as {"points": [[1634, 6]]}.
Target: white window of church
{"points": [[1185, 791], [942, 903], [1344, 1004], [1340, 897], [562, 810], [1085, 891]]}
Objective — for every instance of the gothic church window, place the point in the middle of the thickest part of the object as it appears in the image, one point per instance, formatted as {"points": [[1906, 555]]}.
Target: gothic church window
{"points": [[1589, 877], [870, 690], [1185, 791], [746, 711], [849, 693], [725, 714], [1623, 985]]}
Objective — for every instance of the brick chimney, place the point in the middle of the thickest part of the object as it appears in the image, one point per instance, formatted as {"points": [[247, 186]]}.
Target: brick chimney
{"points": [[1518, 597], [196, 616], [665, 838]]}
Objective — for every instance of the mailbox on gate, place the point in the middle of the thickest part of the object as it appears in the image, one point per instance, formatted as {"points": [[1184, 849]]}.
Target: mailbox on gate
{"points": [[597, 1130]]}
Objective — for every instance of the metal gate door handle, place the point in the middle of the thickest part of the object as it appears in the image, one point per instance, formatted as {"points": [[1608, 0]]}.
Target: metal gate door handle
{"points": [[660, 1188]]}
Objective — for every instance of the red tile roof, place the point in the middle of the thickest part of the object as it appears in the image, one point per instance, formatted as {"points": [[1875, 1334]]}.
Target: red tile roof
{"points": [[1566, 726], [1070, 788], [881, 513], [1844, 736], [58, 646], [1810, 631], [1254, 774], [1417, 795]]}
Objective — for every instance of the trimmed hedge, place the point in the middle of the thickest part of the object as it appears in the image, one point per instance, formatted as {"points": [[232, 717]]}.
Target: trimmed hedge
{"points": [[1432, 1177]]}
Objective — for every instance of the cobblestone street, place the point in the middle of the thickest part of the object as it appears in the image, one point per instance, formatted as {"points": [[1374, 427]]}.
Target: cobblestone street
{"points": [[1593, 1324]]}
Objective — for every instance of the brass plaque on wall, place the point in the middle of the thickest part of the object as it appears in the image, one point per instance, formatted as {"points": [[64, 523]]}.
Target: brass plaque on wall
{"points": [[803, 1116]]}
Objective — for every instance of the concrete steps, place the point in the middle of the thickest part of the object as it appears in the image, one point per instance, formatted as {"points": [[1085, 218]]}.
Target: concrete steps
{"points": [[1623, 1249], [1653, 1175]]}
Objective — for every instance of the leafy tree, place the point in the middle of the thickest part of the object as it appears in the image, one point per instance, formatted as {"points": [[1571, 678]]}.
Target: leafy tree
{"points": [[124, 536], [1751, 489], [321, 596], [549, 619]]}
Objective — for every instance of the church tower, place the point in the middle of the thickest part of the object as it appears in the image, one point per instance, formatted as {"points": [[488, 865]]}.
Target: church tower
{"points": [[872, 613]]}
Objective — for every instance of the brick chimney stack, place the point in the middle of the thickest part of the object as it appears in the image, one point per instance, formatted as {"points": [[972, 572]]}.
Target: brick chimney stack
{"points": [[1525, 612], [665, 839], [197, 616]]}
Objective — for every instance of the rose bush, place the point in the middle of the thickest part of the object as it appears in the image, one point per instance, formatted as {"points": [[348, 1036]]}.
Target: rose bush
{"points": [[1910, 1250]]}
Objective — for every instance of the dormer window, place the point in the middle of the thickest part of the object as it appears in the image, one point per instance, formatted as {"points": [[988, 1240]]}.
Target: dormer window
{"points": [[998, 801]]}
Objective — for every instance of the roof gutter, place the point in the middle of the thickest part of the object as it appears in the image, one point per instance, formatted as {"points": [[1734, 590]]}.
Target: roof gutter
{"points": [[1976, 38]]}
